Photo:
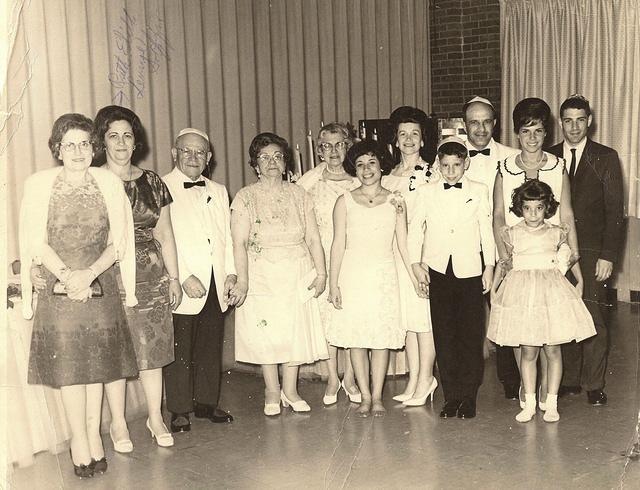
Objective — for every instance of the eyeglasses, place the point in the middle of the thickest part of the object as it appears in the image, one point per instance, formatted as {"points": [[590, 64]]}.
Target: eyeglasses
{"points": [[188, 152], [276, 157], [327, 147], [70, 147]]}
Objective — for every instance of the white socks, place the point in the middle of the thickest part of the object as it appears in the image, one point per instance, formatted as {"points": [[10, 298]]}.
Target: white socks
{"points": [[529, 409], [551, 414]]}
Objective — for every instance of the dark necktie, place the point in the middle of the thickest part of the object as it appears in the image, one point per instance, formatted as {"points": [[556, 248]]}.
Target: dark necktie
{"points": [[486, 152], [457, 185], [189, 185], [572, 168]]}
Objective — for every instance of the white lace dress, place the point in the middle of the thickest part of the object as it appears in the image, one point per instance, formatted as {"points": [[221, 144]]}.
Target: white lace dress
{"points": [[279, 322], [368, 281]]}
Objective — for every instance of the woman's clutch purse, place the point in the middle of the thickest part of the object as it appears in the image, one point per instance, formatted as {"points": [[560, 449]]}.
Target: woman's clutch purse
{"points": [[96, 289]]}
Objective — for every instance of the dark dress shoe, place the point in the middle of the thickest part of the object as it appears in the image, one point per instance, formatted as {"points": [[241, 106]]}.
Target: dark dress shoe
{"points": [[214, 414], [511, 391], [569, 390], [450, 409], [467, 409], [83, 470], [99, 466], [180, 422], [597, 398]]}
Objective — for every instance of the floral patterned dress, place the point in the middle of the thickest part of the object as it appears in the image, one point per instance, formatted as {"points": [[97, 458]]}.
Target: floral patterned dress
{"points": [[279, 321], [150, 321], [74, 342]]}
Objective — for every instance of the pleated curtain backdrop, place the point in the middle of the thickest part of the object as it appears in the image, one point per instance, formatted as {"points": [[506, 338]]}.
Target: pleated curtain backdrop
{"points": [[231, 67], [554, 48]]}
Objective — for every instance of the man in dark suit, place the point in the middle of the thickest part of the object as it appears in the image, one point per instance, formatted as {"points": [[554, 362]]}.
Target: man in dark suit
{"points": [[597, 200]]}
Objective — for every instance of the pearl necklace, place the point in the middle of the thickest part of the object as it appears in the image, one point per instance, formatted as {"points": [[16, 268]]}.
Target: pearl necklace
{"points": [[534, 167], [333, 172]]}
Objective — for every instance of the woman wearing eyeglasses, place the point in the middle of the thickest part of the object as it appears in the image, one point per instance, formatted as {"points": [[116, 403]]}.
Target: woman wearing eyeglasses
{"points": [[119, 136], [281, 271], [75, 222], [325, 183], [411, 172]]}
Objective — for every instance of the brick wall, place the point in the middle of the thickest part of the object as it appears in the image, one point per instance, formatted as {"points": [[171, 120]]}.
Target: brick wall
{"points": [[465, 53]]}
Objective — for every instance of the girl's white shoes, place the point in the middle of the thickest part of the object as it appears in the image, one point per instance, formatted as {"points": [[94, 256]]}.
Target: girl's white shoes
{"points": [[417, 402], [551, 413], [353, 398], [550, 408], [529, 409]]}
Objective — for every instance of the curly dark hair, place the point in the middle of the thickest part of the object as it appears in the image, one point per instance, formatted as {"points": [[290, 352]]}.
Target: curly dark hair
{"points": [[368, 147], [531, 111], [533, 190], [266, 139], [575, 102], [111, 114], [63, 124]]}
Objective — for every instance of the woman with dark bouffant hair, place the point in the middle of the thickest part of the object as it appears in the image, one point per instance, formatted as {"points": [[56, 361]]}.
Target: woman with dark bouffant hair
{"points": [[281, 272], [363, 286], [120, 140], [75, 222], [409, 126], [531, 119]]}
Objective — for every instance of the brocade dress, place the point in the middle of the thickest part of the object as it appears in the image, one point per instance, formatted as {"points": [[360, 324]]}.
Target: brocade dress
{"points": [[75, 342], [150, 321]]}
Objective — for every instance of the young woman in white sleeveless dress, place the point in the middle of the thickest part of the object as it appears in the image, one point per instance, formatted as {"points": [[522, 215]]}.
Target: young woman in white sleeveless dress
{"points": [[363, 276]]}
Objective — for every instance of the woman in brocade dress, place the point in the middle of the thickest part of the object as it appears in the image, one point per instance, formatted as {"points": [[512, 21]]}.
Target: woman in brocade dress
{"points": [[281, 270], [325, 183], [120, 135], [409, 129], [75, 222]]}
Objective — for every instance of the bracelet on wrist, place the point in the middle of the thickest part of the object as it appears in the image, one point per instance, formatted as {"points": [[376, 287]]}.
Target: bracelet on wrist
{"points": [[171, 278]]}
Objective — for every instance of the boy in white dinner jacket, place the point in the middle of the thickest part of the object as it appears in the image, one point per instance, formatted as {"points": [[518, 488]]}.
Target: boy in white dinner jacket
{"points": [[453, 252]]}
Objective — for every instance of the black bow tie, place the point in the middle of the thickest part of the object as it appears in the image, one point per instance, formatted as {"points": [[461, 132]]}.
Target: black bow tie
{"points": [[189, 185], [486, 151], [457, 185]]}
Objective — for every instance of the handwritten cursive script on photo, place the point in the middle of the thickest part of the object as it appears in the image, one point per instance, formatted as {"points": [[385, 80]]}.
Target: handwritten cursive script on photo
{"points": [[140, 47]]}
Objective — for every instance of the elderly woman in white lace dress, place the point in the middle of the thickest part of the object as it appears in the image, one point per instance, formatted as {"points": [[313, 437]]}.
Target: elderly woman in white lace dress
{"points": [[281, 269]]}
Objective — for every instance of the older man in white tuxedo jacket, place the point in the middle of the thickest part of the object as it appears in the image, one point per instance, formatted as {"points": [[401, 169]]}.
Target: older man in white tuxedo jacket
{"points": [[484, 154], [201, 225], [450, 230]]}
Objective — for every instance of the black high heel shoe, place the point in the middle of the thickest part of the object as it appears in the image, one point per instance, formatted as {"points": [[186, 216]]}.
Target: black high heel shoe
{"points": [[83, 470], [99, 466]]}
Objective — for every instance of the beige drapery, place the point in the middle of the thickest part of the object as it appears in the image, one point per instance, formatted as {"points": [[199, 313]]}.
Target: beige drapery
{"points": [[231, 67], [554, 48]]}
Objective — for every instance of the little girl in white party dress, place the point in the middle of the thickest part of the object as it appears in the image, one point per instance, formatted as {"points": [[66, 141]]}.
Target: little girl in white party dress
{"points": [[535, 306]]}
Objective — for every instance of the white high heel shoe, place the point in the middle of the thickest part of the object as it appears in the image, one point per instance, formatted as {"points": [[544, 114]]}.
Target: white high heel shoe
{"points": [[299, 406], [271, 409], [163, 440], [403, 397], [122, 446], [353, 397], [331, 399], [416, 402]]}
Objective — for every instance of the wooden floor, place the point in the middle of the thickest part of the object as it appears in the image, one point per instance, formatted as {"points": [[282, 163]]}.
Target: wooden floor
{"points": [[409, 448]]}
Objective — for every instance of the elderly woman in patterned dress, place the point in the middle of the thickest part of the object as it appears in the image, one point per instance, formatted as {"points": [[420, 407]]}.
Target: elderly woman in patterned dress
{"points": [[281, 270], [75, 222], [325, 183]]}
